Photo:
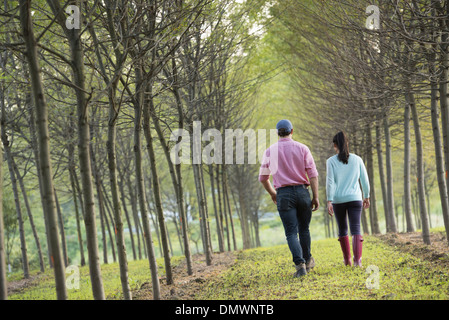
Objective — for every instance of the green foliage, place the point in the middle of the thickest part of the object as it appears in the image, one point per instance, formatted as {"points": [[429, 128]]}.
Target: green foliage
{"points": [[267, 273]]}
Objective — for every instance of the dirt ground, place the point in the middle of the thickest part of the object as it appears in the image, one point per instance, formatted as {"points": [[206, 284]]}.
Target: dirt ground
{"points": [[436, 252], [186, 286]]}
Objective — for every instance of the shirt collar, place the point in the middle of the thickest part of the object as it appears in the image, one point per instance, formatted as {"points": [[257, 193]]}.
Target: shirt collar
{"points": [[285, 139]]}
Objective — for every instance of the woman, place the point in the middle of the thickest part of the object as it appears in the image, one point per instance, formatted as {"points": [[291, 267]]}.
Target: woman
{"points": [[344, 197]]}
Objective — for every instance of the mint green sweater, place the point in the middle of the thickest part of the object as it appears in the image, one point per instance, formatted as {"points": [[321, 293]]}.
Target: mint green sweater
{"points": [[342, 182]]}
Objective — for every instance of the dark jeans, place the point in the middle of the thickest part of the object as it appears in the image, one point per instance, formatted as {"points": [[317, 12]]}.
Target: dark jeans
{"points": [[295, 209], [351, 210]]}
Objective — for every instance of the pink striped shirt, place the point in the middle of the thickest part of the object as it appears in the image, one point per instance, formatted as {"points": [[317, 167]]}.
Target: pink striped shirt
{"points": [[289, 162]]}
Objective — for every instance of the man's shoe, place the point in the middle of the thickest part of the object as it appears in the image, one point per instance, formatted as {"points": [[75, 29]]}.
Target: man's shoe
{"points": [[310, 264], [300, 270]]}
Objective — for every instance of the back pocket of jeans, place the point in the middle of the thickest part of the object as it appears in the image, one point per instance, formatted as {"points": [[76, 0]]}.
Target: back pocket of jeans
{"points": [[283, 204]]}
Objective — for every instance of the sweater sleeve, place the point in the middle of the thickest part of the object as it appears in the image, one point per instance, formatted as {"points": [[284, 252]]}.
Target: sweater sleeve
{"points": [[330, 182], [364, 181]]}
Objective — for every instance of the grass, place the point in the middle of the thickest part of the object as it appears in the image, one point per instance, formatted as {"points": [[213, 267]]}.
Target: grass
{"points": [[267, 273], [43, 287]]}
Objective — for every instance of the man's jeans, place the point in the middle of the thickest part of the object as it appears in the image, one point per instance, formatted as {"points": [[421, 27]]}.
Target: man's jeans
{"points": [[295, 209]]}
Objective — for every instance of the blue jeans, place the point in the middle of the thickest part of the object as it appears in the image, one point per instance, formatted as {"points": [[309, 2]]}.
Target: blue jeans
{"points": [[295, 209], [348, 210]]}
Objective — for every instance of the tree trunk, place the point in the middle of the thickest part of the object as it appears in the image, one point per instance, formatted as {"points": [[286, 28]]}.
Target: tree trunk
{"points": [[389, 166], [44, 146], [77, 54], [228, 202], [175, 174], [61, 231], [77, 216], [420, 171], [148, 105], [7, 147], [374, 220], [3, 280], [121, 185], [407, 205], [112, 165], [382, 176], [134, 202], [444, 96], [439, 162], [141, 187], [217, 217]]}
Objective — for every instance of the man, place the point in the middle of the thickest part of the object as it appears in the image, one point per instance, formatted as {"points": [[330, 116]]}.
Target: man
{"points": [[293, 169]]}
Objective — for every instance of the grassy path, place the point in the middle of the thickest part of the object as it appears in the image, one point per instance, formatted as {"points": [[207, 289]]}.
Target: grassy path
{"points": [[266, 273]]}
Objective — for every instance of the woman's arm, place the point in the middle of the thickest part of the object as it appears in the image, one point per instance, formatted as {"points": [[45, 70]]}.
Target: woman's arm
{"points": [[364, 181]]}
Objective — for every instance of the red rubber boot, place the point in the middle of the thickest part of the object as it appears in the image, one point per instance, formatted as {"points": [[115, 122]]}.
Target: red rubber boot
{"points": [[357, 246], [346, 249]]}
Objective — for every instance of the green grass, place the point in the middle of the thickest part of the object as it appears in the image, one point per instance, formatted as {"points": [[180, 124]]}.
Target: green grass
{"points": [[267, 273], [43, 288]]}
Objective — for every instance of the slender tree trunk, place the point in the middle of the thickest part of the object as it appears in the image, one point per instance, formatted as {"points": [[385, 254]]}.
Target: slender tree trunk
{"points": [[30, 217], [128, 220], [382, 176], [407, 205], [217, 217], [134, 202], [108, 217], [175, 174], [44, 146], [407, 190], [10, 160], [112, 165], [61, 231], [389, 166], [155, 179], [444, 95], [220, 201], [374, 220], [206, 211], [420, 171], [225, 213], [77, 54], [77, 217], [439, 161], [3, 280], [138, 108], [182, 211], [228, 202], [34, 145]]}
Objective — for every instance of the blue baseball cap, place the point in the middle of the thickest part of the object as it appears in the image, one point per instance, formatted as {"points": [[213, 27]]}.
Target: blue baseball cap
{"points": [[285, 124]]}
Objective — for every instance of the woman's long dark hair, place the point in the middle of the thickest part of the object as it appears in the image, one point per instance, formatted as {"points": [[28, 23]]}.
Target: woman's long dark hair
{"points": [[341, 141]]}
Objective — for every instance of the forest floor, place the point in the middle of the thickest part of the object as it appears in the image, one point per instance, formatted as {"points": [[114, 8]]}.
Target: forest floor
{"points": [[412, 242], [407, 269], [402, 265], [185, 286]]}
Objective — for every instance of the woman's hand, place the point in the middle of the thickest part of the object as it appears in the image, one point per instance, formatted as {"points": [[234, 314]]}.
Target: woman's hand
{"points": [[366, 203], [330, 208]]}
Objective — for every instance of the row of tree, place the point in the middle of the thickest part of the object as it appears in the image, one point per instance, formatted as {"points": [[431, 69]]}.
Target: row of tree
{"points": [[377, 70], [135, 71]]}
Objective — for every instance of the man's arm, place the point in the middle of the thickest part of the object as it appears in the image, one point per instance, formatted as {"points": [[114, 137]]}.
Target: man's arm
{"points": [[315, 201], [267, 185]]}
